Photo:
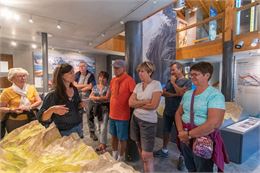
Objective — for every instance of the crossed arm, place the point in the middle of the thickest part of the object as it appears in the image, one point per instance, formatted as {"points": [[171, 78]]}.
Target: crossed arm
{"points": [[149, 104]]}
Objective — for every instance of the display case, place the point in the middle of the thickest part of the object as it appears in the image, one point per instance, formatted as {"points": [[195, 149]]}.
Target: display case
{"points": [[241, 139]]}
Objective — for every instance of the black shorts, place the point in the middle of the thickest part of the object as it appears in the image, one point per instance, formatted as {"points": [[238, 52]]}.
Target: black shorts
{"points": [[168, 122]]}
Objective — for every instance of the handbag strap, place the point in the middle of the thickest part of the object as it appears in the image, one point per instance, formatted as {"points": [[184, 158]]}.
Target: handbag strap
{"points": [[192, 110]]}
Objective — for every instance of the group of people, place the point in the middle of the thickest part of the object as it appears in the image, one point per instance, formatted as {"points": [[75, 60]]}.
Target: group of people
{"points": [[126, 108]]}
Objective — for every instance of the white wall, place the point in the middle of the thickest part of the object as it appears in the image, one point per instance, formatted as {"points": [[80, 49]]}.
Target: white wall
{"points": [[22, 57], [101, 63]]}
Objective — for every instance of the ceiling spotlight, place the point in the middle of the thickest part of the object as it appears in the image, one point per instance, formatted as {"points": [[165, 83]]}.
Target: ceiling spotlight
{"points": [[30, 20], [103, 34], [255, 42], [58, 25], [178, 5], [13, 43], [122, 22], [34, 46], [239, 45]]}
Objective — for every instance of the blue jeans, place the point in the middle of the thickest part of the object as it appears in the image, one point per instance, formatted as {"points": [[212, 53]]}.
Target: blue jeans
{"points": [[102, 126], [77, 129]]}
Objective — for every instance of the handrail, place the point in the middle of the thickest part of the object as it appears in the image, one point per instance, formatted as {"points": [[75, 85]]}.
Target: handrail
{"points": [[247, 6], [219, 16]]}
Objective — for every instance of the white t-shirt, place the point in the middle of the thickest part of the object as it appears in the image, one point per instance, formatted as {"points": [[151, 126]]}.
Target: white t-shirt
{"points": [[143, 114]]}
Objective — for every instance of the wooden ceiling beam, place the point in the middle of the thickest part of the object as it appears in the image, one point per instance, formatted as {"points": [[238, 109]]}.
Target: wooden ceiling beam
{"points": [[204, 7], [219, 16], [216, 4], [228, 21], [188, 4], [180, 15]]}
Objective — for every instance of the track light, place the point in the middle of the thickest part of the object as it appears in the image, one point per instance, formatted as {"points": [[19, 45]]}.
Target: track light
{"points": [[255, 42], [239, 45], [58, 25], [31, 20]]}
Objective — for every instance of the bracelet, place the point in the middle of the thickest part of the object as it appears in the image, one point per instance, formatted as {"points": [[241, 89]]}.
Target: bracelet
{"points": [[189, 135]]}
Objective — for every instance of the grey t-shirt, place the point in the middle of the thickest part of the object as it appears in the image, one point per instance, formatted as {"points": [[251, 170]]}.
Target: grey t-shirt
{"points": [[172, 103]]}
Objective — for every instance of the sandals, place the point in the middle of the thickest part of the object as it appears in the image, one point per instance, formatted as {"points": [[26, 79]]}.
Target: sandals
{"points": [[101, 148]]}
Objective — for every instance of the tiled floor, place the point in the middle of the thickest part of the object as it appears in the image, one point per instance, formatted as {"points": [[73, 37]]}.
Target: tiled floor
{"points": [[169, 164]]}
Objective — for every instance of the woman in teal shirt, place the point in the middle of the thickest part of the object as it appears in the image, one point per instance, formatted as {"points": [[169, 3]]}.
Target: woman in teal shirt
{"points": [[209, 109]]}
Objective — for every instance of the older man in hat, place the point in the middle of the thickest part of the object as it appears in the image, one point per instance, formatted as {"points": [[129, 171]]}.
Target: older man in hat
{"points": [[121, 86]]}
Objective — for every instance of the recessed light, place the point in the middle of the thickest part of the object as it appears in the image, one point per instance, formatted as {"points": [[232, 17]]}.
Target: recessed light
{"points": [[34, 46], [103, 34], [58, 26], [122, 22], [13, 43], [31, 20], [90, 43]]}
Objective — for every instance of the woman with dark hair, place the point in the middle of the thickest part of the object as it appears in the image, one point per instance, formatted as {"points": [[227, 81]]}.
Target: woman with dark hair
{"points": [[100, 100], [63, 104], [198, 118]]}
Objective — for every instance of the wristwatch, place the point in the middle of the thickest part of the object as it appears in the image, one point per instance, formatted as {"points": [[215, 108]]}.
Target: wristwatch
{"points": [[189, 135]]}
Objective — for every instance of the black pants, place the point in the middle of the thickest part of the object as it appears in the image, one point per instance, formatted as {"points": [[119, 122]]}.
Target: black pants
{"points": [[195, 163]]}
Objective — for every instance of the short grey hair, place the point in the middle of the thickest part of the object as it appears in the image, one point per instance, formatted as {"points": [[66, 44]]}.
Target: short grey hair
{"points": [[13, 71], [178, 65]]}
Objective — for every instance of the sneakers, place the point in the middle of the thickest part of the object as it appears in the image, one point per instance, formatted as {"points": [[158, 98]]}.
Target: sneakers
{"points": [[161, 154], [181, 164], [93, 136]]}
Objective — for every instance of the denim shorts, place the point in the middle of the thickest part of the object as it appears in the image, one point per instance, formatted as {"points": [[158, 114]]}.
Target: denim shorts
{"points": [[119, 128]]}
